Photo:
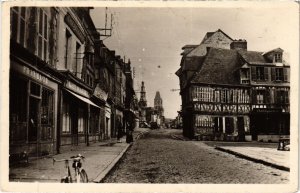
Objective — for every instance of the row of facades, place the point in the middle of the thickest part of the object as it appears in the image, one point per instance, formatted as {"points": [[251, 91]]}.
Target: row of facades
{"points": [[66, 87], [230, 93]]}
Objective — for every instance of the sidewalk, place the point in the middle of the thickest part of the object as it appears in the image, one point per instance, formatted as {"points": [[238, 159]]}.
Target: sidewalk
{"points": [[267, 156], [100, 158]]}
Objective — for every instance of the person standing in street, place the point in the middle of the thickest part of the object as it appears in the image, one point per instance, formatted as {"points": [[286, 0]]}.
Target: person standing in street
{"points": [[120, 130]]}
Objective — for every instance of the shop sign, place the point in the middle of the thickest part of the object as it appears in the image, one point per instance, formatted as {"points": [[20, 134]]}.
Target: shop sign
{"points": [[98, 92], [204, 130], [267, 110], [77, 89], [35, 75]]}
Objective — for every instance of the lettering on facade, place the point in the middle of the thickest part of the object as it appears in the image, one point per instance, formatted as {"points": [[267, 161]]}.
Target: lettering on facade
{"points": [[98, 92], [77, 89], [204, 130], [34, 74], [74, 27]]}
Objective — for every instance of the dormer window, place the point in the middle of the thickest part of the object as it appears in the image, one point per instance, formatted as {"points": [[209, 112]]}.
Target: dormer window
{"points": [[278, 57], [245, 75]]}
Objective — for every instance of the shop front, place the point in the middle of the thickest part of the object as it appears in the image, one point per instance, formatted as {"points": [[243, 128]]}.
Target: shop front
{"points": [[97, 126], [32, 110], [269, 125], [80, 116]]}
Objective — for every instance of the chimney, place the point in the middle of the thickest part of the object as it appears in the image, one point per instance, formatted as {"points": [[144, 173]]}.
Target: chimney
{"points": [[238, 45]]}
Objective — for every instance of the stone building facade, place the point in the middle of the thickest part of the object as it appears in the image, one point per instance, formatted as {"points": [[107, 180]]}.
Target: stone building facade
{"points": [[66, 86]]}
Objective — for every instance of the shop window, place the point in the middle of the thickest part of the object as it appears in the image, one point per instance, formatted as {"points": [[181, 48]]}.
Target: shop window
{"points": [[66, 118], [33, 121], [218, 124], [282, 97], [47, 114], [18, 109], [18, 24], [80, 120], [35, 89], [42, 43], [260, 96]]}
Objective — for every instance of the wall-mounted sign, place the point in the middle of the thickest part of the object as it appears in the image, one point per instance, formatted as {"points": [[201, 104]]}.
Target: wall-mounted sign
{"points": [[77, 89], [35, 75], [98, 92]]}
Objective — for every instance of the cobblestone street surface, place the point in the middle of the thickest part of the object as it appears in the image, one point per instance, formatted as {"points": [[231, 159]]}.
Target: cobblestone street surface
{"points": [[159, 158]]}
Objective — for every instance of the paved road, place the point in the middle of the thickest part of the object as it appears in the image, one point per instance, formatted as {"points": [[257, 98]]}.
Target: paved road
{"points": [[158, 158]]}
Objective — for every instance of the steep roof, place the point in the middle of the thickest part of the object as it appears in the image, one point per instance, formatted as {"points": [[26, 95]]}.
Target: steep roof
{"points": [[221, 66], [211, 39], [252, 56], [192, 63], [274, 50], [157, 96], [209, 34]]}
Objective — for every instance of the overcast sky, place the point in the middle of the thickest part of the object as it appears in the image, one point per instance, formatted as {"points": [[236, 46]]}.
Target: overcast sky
{"points": [[153, 37]]}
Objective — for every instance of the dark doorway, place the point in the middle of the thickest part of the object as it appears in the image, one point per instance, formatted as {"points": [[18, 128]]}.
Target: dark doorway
{"points": [[241, 128]]}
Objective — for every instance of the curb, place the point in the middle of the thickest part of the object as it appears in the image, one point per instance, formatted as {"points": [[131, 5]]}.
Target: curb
{"points": [[280, 167], [104, 173]]}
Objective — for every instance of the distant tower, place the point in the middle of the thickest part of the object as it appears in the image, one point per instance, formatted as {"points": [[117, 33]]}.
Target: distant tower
{"points": [[158, 104], [143, 104], [143, 100]]}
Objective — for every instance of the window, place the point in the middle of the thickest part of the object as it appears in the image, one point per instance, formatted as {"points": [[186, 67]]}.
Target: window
{"points": [[279, 74], [278, 57], [47, 114], [80, 120], [77, 59], [260, 73], [67, 48], [18, 109], [66, 118], [260, 96], [18, 24], [282, 97], [42, 43]]}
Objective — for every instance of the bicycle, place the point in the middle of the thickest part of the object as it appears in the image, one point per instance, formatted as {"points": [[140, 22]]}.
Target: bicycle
{"points": [[80, 174]]}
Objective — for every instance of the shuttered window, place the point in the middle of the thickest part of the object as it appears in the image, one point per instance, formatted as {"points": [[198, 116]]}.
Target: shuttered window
{"points": [[260, 73], [253, 73], [286, 74]]}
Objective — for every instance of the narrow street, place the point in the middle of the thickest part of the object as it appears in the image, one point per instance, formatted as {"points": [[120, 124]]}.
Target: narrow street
{"points": [[159, 158]]}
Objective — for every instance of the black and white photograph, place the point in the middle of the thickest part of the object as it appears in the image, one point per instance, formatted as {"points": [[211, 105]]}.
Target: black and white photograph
{"points": [[121, 95]]}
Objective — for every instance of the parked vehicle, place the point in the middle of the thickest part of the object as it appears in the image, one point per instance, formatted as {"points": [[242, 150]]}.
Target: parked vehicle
{"points": [[80, 174]]}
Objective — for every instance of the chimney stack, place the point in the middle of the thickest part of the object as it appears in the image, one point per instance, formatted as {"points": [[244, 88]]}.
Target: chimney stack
{"points": [[238, 45]]}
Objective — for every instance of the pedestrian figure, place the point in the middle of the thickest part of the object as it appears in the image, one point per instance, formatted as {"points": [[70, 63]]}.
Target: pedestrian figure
{"points": [[120, 131], [129, 129]]}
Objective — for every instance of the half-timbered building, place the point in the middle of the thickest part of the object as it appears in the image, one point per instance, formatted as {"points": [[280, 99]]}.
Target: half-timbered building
{"points": [[229, 93]]}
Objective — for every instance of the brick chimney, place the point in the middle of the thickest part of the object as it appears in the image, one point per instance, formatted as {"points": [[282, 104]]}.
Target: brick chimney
{"points": [[238, 45]]}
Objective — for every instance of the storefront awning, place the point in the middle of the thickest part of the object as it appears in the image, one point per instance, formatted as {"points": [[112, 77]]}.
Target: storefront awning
{"points": [[86, 100]]}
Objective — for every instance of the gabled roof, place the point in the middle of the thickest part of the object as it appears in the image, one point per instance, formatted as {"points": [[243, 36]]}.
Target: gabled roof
{"points": [[209, 34], [200, 50], [221, 66], [252, 56], [274, 50]]}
